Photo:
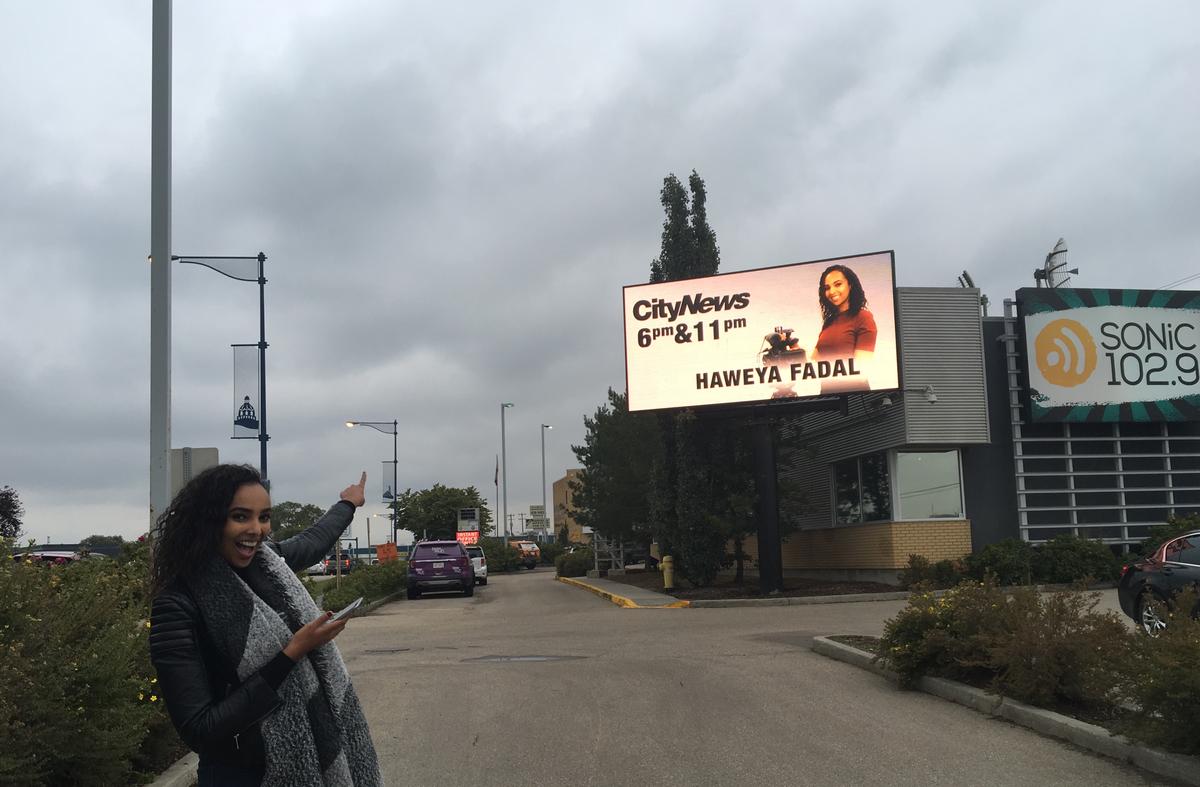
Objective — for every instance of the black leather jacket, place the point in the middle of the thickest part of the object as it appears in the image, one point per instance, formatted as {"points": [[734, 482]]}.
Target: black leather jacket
{"points": [[216, 714]]}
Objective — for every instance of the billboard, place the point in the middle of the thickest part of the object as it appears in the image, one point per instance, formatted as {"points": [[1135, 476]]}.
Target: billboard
{"points": [[1111, 355], [468, 519], [808, 329]]}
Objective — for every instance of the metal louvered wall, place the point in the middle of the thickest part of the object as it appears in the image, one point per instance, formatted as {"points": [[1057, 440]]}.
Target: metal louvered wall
{"points": [[941, 341]]}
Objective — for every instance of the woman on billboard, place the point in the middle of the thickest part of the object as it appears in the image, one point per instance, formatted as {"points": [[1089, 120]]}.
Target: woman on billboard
{"points": [[848, 330]]}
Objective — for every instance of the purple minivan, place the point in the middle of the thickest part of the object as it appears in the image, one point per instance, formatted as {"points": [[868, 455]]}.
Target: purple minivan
{"points": [[440, 565]]}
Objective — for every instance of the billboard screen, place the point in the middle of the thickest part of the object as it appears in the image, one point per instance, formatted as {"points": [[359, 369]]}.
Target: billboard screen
{"points": [[1111, 355], [808, 329]]}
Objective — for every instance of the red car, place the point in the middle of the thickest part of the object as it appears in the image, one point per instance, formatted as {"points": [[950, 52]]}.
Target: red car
{"points": [[440, 565]]}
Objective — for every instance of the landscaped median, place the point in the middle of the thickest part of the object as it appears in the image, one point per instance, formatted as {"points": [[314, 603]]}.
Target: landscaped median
{"points": [[1088, 736], [1051, 662]]}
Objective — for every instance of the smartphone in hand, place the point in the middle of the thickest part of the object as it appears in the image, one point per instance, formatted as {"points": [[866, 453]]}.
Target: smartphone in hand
{"points": [[346, 610]]}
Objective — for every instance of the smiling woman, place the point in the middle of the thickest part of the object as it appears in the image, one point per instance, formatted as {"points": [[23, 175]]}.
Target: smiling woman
{"points": [[230, 622]]}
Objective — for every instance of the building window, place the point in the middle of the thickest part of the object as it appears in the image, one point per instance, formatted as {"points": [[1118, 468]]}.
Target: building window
{"points": [[862, 490], [929, 485]]}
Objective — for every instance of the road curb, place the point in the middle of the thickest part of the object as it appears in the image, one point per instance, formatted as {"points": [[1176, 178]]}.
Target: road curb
{"points": [[620, 601], [181, 774], [1094, 738], [790, 601]]}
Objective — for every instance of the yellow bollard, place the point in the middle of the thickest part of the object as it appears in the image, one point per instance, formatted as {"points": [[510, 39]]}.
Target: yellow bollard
{"points": [[667, 566]]}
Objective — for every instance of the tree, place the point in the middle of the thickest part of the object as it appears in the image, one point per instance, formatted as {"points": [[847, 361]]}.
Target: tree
{"points": [[687, 504], [93, 541], [689, 245], [433, 513], [288, 518], [11, 512], [612, 492]]}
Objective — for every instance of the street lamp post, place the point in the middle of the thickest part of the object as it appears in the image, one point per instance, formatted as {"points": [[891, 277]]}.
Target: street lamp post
{"points": [[504, 465], [545, 518], [221, 266], [378, 426], [369, 545]]}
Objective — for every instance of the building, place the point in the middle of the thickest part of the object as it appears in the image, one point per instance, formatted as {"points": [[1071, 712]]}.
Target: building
{"points": [[979, 444], [563, 505]]}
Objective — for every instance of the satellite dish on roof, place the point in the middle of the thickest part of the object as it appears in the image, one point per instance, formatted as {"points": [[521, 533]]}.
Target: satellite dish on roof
{"points": [[1054, 271]]}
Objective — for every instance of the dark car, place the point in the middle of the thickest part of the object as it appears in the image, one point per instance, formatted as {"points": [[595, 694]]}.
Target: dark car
{"points": [[440, 565], [1147, 586], [331, 564]]}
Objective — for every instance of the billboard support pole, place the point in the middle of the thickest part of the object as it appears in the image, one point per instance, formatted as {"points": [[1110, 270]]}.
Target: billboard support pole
{"points": [[770, 550]]}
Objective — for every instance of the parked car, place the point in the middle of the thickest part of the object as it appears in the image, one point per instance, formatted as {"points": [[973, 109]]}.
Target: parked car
{"points": [[479, 562], [53, 558], [528, 553], [331, 564], [1147, 586], [316, 568], [440, 565]]}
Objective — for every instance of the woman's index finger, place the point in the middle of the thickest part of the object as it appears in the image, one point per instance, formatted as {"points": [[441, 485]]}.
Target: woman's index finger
{"points": [[363, 481]]}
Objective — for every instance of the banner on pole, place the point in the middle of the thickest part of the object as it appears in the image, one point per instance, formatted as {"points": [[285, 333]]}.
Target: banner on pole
{"points": [[245, 391], [389, 494]]}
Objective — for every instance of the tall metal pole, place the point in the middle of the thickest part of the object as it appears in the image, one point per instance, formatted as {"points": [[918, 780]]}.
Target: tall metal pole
{"points": [[545, 518], [395, 489], [263, 437], [160, 257], [504, 466]]}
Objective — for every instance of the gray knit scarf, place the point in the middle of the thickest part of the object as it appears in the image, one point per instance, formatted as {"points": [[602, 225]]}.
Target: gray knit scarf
{"points": [[318, 735]]}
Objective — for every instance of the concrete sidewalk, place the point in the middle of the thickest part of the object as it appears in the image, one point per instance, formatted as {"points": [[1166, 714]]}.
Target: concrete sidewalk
{"points": [[623, 595]]}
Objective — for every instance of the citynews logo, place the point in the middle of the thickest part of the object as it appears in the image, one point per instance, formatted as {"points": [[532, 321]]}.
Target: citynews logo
{"points": [[1065, 353]]}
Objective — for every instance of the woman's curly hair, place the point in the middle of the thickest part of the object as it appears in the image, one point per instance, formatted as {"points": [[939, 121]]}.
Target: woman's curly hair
{"points": [[858, 298], [189, 531]]}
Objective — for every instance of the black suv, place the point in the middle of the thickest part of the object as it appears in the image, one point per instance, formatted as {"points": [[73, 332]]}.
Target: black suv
{"points": [[331, 564]]}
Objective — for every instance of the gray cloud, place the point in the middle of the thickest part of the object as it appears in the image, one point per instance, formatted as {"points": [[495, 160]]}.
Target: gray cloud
{"points": [[452, 198]]}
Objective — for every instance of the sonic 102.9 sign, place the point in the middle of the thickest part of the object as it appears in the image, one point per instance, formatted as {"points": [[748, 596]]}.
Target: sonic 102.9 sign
{"points": [[1112, 355], [809, 329]]}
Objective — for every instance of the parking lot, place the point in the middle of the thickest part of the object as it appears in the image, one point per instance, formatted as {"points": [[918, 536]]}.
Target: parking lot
{"points": [[532, 681]]}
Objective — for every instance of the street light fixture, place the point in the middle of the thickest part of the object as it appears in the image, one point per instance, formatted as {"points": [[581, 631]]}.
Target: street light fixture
{"points": [[378, 426], [504, 467], [545, 513], [232, 267]]}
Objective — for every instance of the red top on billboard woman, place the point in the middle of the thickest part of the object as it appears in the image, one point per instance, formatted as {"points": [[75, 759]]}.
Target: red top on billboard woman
{"points": [[848, 331], [849, 328]]}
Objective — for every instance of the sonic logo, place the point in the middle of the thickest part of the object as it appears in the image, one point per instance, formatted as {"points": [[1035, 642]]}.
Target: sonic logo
{"points": [[1065, 353]]}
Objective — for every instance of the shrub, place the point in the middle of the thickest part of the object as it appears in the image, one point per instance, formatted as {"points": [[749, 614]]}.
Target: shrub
{"points": [[1010, 561], [918, 572], [79, 698], [501, 556], [1068, 558], [1059, 650], [948, 636], [948, 573], [1162, 681], [1040, 649], [371, 582], [574, 564], [550, 552]]}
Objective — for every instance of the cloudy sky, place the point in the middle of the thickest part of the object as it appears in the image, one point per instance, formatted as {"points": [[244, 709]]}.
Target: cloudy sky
{"points": [[452, 195]]}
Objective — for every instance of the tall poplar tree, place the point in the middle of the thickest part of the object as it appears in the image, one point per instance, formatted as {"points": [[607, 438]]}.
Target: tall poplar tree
{"points": [[11, 512]]}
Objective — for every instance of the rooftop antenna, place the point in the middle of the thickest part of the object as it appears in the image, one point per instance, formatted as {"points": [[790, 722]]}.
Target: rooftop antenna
{"points": [[1054, 271], [966, 282]]}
